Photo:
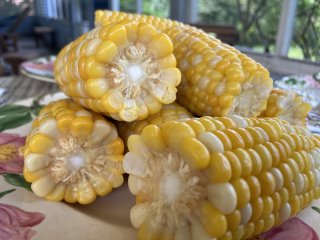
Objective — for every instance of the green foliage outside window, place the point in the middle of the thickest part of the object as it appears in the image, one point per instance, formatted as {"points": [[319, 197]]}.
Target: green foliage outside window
{"points": [[159, 8], [257, 22]]}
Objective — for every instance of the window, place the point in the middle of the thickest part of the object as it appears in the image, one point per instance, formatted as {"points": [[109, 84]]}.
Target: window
{"points": [[259, 26], [159, 8], [54, 9], [305, 43], [128, 6], [256, 21], [13, 7]]}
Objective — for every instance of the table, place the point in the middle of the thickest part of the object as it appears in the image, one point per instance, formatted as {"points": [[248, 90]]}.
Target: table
{"points": [[22, 87], [108, 216]]}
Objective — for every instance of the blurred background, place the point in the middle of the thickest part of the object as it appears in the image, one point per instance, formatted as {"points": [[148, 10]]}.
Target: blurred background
{"points": [[281, 34]]}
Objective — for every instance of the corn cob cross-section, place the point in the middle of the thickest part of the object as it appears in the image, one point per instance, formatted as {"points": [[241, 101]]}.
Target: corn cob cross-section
{"points": [[288, 106], [217, 79], [125, 70], [72, 154], [220, 178]]}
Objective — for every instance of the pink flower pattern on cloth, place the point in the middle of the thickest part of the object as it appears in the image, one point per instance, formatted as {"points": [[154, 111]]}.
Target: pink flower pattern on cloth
{"points": [[292, 229], [15, 224], [10, 159]]}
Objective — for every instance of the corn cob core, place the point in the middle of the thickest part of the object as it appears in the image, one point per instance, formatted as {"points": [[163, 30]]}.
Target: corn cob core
{"points": [[168, 112], [217, 79], [72, 154], [287, 105], [124, 70], [220, 178]]}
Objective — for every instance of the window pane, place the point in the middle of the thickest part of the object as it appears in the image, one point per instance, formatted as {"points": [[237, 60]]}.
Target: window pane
{"points": [[128, 5], [159, 8], [13, 7], [256, 21], [306, 38]]}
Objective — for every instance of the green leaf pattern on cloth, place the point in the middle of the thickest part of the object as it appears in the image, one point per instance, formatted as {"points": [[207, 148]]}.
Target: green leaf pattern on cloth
{"points": [[13, 116], [17, 180], [316, 209], [6, 192]]}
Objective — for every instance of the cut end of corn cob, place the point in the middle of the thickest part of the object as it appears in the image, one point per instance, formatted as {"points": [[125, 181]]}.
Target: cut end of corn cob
{"points": [[217, 79], [72, 154], [126, 70], [231, 178], [288, 106]]}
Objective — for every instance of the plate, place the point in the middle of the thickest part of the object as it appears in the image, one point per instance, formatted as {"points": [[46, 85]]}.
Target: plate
{"points": [[106, 218], [39, 68], [308, 87]]}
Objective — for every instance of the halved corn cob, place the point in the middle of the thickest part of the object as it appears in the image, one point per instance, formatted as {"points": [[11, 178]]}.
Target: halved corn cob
{"points": [[72, 154], [217, 79], [168, 112], [287, 105], [220, 178], [125, 70]]}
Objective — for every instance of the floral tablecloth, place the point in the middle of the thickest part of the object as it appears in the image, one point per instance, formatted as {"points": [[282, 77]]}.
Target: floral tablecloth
{"points": [[25, 216]]}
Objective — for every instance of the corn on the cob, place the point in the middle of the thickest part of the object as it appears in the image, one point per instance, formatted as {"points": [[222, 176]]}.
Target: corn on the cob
{"points": [[72, 154], [230, 178], [125, 70], [168, 112], [217, 79], [288, 106]]}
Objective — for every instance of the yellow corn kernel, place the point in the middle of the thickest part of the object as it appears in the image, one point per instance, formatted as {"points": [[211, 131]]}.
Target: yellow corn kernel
{"points": [[57, 194], [246, 162], [34, 175], [81, 126], [246, 136], [224, 139], [96, 87], [274, 153], [243, 191], [40, 143], [233, 219], [149, 230], [115, 147], [267, 206], [257, 209], [146, 32], [256, 162], [175, 132], [106, 51], [255, 187], [249, 229], [265, 156], [86, 193], [286, 173], [268, 223], [267, 182], [219, 168], [93, 68], [194, 152], [213, 221], [235, 138], [235, 164]]}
